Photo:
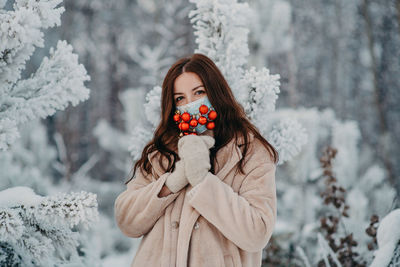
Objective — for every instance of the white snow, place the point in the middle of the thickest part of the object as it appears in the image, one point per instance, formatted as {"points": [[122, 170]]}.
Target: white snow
{"points": [[388, 235], [19, 195]]}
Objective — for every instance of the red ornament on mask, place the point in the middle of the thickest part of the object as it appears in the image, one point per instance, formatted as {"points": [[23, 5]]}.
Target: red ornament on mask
{"points": [[185, 126], [185, 116], [188, 123], [177, 117], [202, 120], [210, 125], [203, 109], [212, 115], [193, 123]]}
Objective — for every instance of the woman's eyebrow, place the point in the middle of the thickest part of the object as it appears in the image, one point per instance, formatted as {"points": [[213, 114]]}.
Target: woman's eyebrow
{"points": [[192, 89]]}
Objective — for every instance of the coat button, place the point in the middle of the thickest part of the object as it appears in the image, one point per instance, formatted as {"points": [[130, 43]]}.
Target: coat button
{"points": [[196, 225], [175, 224]]}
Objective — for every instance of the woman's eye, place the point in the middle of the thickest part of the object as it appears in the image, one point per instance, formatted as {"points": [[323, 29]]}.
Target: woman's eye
{"points": [[200, 92], [178, 99]]}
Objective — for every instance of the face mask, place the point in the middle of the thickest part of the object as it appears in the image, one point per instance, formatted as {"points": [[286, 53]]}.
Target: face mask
{"points": [[195, 117]]}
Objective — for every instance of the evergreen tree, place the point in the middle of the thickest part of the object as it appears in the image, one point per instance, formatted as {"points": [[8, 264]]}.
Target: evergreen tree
{"points": [[57, 82], [37, 230]]}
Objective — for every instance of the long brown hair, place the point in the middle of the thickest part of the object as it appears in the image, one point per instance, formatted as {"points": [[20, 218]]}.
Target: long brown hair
{"points": [[231, 120]]}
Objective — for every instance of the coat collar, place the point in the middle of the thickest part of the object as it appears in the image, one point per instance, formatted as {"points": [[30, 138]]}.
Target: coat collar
{"points": [[227, 157]]}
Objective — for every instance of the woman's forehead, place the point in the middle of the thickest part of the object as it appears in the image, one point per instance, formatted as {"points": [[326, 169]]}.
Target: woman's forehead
{"points": [[187, 82]]}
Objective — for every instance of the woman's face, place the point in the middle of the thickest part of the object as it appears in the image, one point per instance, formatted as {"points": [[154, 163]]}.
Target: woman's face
{"points": [[188, 87]]}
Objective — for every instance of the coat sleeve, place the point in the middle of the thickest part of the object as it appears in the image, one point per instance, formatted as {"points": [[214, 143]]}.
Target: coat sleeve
{"points": [[137, 209], [248, 217]]}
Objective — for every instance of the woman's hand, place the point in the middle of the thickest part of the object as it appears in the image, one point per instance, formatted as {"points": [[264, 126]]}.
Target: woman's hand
{"points": [[177, 179], [194, 150]]}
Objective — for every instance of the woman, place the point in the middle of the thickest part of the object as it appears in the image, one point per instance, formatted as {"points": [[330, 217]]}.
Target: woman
{"points": [[203, 195]]}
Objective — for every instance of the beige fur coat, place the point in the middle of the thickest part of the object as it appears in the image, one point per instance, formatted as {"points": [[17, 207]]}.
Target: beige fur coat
{"points": [[224, 221]]}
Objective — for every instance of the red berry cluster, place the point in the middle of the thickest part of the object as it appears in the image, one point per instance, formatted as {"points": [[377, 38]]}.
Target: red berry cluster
{"points": [[188, 123]]}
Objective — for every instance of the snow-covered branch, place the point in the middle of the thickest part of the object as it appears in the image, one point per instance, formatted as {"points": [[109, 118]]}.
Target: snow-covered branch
{"points": [[57, 82], [37, 230]]}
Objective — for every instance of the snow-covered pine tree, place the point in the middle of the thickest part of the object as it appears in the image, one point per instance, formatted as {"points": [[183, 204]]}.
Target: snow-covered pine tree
{"points": [[35, 230], [30, 161], [58, 81], [38, 231], [355, 165], [221, 29], [367, 192]]}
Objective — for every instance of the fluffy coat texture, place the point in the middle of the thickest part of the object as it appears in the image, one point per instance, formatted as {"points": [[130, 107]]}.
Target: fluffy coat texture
{"points": [[225, 220]]}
